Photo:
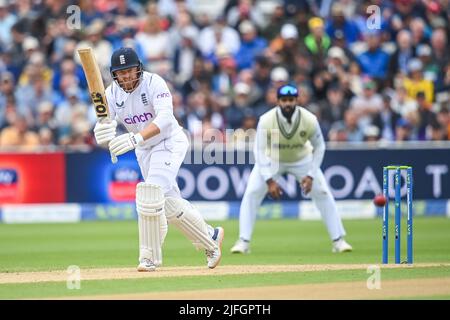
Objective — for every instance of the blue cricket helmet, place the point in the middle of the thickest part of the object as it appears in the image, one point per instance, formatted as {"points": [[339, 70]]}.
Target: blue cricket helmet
{"points": [[124, 58]]}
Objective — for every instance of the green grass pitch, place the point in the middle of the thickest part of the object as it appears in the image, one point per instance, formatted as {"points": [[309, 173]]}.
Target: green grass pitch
{"points": [[46, 247]]}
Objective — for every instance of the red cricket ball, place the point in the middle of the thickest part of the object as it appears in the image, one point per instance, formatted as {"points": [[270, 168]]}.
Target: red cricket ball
{"points": [[379, 200]]}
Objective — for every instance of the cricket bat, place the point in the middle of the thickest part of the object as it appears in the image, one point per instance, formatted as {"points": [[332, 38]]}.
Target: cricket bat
{"points": [[96, 87]]}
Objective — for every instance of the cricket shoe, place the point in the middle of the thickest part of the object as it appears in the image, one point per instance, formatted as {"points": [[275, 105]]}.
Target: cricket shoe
{"points": [[341, 245], [146, 265], [241, 246], [213, 256]]}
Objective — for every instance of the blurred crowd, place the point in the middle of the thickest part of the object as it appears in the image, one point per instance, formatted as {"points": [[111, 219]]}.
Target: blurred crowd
{"points": [[370, 70]]}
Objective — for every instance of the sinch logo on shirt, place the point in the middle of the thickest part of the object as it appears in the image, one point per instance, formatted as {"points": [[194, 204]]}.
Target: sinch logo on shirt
{"points": [[132, 119]]}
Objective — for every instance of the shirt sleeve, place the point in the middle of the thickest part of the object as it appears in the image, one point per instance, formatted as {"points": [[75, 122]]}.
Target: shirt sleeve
{"points": [[318, 144], [162, 102]]}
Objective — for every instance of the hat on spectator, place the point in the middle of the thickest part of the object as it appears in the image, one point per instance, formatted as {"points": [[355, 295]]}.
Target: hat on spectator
{"points": [[246, 26], [30, 43], [45, 106], [371, 131], [6, 76], [72, 92], [423, 50], [434, 7], [337, 10], [336, 52], [189, 32], [279, 74], [95, 27], [80, 127], [241, 88], [315, 22], [289, 31], [415, 65]]}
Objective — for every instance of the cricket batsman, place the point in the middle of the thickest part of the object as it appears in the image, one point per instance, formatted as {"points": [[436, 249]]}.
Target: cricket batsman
{"points": [[288, 140], [142, 102]]}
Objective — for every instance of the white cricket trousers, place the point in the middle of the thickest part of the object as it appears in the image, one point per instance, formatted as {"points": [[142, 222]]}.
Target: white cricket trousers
{"points": [[320, 195], [160, 164]]}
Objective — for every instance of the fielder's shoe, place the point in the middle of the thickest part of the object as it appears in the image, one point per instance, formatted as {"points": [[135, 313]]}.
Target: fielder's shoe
{"points": [[341, 245], [241, 246], [146, 265], [213, 256]]}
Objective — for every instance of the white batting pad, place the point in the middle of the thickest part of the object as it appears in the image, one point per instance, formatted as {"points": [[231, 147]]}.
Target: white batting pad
{"points": [[190, 222], [151, 220]]}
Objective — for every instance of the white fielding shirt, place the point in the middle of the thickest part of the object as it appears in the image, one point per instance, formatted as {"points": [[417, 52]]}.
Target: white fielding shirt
{"points": [[150, 102]]}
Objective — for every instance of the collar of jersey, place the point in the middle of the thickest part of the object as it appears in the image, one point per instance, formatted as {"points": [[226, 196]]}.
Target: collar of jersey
{"points": [[288, 135]]}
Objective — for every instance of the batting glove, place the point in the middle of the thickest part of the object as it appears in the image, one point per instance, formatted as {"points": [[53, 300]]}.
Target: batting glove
{"points": [[104, 132], [124, 143]]}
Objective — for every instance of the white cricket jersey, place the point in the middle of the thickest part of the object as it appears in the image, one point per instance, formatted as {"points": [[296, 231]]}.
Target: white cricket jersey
{"points": [[136, 110]]}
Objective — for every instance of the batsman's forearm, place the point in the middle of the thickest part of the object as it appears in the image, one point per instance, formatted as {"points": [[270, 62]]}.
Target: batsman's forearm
{"points": [[150, 131]]}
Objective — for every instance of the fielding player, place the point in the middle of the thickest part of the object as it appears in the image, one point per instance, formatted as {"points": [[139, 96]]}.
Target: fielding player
{"points": [[142, 102], [288, 140]]}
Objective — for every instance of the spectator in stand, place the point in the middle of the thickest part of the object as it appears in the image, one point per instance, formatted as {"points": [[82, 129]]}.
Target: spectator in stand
{"points": [[218, 33], [402, 55], [19, 135], [403, 130], [182, 22], [100, 46], [155, 43], [317, 42], [402, 103], [285, 49], [415, 83], [338, 22], [261, 72], [439, 45], [246, 10], [332, 108], [7, 20], [430, 67], [417, 27], [226, 75], [371, 134], [386, 120], [426, 115], [256, 95], [8, 113], [251, 45], [347, 129], [443, 118], [184, 55], [200, 79], [277, 20], [88, 12], [374, 62], [278, 77], [368, 104], [240, 106], [6, 92]]}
